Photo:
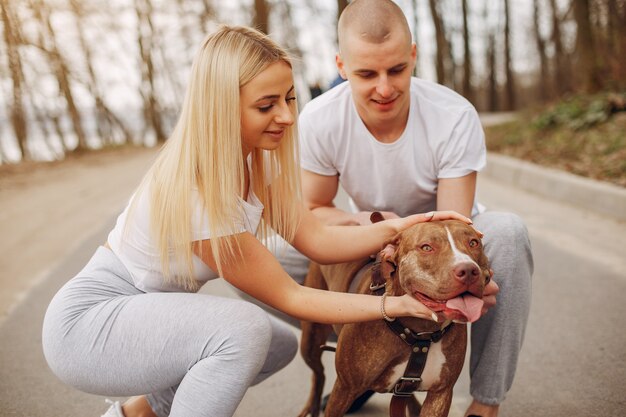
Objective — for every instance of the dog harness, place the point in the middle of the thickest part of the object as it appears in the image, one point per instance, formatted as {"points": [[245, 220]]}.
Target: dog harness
{"points": [[419, 342]]}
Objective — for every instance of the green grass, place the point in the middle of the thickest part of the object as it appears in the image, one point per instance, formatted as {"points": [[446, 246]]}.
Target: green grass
{"points": [[585, 135]]}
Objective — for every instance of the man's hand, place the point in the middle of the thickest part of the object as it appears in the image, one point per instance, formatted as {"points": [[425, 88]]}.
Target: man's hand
{"points": [[489, 295]]}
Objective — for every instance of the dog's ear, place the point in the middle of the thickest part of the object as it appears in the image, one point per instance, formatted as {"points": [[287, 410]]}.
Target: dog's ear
{"points": [[388, 263], [376, 217], [390, 249], [382, 272]]}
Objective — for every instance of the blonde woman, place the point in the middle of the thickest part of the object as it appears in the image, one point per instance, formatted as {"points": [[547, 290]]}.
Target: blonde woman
{"points": [[130, 322]]}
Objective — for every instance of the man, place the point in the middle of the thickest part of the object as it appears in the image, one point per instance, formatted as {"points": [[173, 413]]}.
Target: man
{"points": [[401, 145]]}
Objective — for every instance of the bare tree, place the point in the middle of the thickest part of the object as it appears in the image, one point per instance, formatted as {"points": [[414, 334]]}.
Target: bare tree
{"points": [[48, 43], [145, 40], [587, 59], [543, 84], [561, 78], [443, 54], [492, 81], [207, 14], [107, 123], [510, 81], [611, 42], [617, 22], [261, 17], [467, 89], [341, 4], [17, 110], [416, 70]]}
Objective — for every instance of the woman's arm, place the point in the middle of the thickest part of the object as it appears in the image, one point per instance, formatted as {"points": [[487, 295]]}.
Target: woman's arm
{"points": [[259, 274], [332, 244]]}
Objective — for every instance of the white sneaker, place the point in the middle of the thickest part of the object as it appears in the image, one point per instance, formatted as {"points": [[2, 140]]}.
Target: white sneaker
{"points": [[115, 410]]}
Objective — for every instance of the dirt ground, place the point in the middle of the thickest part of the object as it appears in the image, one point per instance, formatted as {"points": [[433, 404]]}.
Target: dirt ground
{"points": [[48, 209]]}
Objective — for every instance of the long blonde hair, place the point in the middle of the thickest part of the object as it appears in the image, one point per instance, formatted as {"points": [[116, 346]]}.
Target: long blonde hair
{"points": [[205, 151]]}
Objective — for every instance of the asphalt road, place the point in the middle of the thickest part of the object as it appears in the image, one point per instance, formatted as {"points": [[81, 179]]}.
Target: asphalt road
{"points": [[573, 362]]}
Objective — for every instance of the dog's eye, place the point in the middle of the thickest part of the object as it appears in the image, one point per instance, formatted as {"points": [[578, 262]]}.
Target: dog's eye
{"points": [[474, 243], [426, 248]]}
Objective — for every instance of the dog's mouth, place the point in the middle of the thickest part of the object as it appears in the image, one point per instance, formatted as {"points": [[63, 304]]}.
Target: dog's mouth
{"points": [[465, 307]]}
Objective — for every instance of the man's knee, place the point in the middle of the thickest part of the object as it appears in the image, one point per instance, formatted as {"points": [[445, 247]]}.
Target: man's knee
{"points": [[500, 228], [506, 240]]}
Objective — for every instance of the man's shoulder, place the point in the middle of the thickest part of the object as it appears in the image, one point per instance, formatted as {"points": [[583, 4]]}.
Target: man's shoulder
{"points": [[433, 97], [329, 105]]}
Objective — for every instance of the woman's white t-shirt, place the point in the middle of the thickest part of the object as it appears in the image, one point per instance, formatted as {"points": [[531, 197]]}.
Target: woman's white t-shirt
{"points": [[140, 255]]}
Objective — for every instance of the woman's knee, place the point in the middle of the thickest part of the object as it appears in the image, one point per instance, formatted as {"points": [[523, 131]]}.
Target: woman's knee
{"points": [[248, 335], [284, 345]]}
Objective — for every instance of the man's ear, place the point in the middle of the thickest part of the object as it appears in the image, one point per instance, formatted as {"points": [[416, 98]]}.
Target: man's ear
{"points": [[413, 56], [340, 67]]}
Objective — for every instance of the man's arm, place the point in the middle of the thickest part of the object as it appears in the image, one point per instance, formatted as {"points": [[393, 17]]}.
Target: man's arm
{"points": [[318, 192], [457, 194]]}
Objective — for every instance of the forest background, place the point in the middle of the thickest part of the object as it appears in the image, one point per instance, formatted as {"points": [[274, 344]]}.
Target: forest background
{"points": [[77, 76]]}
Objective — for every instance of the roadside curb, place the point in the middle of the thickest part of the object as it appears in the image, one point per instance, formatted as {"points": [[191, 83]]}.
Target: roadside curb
{"points": [[601, 197]]}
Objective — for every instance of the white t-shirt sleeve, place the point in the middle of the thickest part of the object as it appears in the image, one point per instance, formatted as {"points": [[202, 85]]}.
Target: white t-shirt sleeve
{"points": [[315, 152], [464, 152], [200, 225]]}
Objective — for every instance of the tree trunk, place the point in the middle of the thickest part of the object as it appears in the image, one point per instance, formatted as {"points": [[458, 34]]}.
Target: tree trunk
{"points": [[416, 70], [587, 59], [543, 86], [106, 120], [442, 54], [468, 91], [17, 111], [561, 78], [208, 12], [145, 40], [510, 82], [617, 14], [261, 16], [341, 4], [60, 68], [492, 81]]}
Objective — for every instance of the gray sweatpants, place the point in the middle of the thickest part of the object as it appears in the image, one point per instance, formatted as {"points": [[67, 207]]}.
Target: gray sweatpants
{"points": [[192, 354], [496, 339]]}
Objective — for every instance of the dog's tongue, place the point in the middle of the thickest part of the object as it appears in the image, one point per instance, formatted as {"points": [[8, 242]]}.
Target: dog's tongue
{"points": [[468, 305]]}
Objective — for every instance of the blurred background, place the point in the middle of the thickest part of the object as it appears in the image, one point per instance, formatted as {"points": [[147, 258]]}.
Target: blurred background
{"points": [[81, 75]]}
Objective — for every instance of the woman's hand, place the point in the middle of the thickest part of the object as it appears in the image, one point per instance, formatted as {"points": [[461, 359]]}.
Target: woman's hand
{"points": [[407, 306], [402, 223]]}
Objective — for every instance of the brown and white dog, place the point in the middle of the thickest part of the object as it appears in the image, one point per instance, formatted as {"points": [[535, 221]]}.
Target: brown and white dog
{"points": [[442, 264]]}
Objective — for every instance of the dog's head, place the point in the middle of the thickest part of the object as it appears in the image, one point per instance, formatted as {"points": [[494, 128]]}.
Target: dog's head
{"points": [[442, 264]]}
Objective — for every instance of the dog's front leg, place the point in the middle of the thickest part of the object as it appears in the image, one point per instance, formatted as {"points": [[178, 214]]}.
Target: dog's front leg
{"points": [[314, 335], [437, 403], [341, 398]]}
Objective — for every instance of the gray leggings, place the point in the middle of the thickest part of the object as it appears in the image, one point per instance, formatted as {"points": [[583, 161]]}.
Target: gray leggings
{"points": [[192, 354]]}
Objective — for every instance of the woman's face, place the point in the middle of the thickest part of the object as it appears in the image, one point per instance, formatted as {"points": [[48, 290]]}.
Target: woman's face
{"points": [[267, 107]]}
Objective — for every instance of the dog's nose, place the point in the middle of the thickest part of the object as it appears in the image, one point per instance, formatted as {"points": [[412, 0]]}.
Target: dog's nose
{"points": [[466, 272]]}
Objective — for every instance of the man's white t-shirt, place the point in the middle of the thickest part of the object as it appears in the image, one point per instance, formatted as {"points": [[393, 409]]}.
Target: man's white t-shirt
{"points": [[443, 138], [138, 251]]}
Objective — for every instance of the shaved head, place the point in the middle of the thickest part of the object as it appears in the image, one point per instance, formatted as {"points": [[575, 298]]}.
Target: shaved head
{"points": [[373, 21]]}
